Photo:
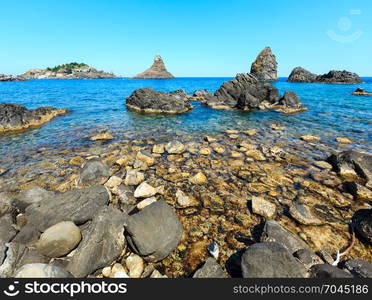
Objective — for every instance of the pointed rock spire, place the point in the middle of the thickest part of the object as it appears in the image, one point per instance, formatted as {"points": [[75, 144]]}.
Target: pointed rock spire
{"points": [[156, 71], [265, 67]]}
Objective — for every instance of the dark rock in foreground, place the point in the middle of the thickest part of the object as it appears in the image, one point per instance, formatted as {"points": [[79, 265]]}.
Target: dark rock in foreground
{"points": [[299, 74], [94, 172], [245, 92], [102, 243], [265, 67], [150, 101], [211, 269], [154, 232], [156, 71], [358, 268], [328, 271], [4, 77], [362, 221], [270, 260], [17, 117]]}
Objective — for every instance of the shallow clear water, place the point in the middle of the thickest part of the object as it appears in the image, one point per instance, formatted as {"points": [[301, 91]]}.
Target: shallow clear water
{"points": [[100, 104]]}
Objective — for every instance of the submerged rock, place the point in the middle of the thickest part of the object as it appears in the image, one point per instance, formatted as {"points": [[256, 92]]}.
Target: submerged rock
{"points": [[270, 260], [154, 232], [211, 269], [149, 101], [299, 74], [15, 117], [156, 71], [265, 67]]}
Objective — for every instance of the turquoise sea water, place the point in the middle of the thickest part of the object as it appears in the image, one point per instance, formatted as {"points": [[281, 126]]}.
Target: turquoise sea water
{"points": [[100, 104]]}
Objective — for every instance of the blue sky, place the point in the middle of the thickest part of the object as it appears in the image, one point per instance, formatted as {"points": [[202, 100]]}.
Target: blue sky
{"points": [[195, 38]]}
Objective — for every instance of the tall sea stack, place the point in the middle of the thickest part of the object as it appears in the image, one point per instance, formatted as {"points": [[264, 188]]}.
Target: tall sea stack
{"points": [[265, 67], [156, 71]]}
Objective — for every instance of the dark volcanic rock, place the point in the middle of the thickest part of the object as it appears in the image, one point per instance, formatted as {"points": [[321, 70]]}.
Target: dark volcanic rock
{"points": [[359, 268], [18, 117], [247, 93], [156, 71], [77, 206], [211, 269], [362, 222], [202, 94], [335, 77], [94, 172], [31, 196], [328, 271], [301, 75], [155, 231], [352, 162], [4, 77], [270, 260], [150, 101], [102, 243], [265, 67]]}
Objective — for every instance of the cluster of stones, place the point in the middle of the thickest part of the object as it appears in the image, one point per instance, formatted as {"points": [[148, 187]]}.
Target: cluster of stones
{"points": [[144, 207]]}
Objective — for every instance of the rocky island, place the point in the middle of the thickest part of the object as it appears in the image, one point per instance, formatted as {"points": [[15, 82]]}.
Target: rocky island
{"points": [[299, 74], [4, 77], [265, 67], [156, 71], [68, 71], [15, 117]]}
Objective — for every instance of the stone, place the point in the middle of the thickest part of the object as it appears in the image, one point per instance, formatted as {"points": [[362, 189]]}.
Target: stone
{"points": [[146, 202], [323, 165], [270, 260], [307, 257], [289, 100], [38, 270], [358, 191], [30, 196], [144, 190], [310, 138], [273, 232], [113, 182], [15, 117], [358, 268], [94, 172], [157, 274], [102, 243], [328, 271], [154, 232], [205, 151], [147, 100], [265, 67], [277, 127], [59, 239], [302, 214], [250, 132], [106, 272], [116, 270], [255, 154], [7, 227], [102, 136], [184, 200], [201, 95], [199, 178], [212, 202], [175, 147], [77, 206], [263, 207], [156, 71], [146, 157], [343, 140], [210, 269], [299, 74], [362, 221], [135, 266], [210, 139], [134, 177], [158, 149]]}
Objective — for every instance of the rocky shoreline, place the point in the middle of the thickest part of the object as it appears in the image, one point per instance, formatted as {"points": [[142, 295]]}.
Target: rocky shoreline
{"points": [[216, 206]]}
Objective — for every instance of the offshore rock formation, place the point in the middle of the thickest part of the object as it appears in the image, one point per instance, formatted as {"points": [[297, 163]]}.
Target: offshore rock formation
{"points": [[156, 71], [150, 101], [68, 71], [299, 74], [17, 117], [245, 92], [4, 77], [265, 66]]}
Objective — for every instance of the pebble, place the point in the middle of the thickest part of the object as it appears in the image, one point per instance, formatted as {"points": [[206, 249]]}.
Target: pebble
{"points": [[263, 207], [113, 182], [141, 205], [199, 178], [134, 177], [135, 265], [144, 190]]}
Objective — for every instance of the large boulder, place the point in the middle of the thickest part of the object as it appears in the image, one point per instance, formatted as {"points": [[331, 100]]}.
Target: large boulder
{"points": [[270, 260], [245, 92], [210, 269], [328, 271], [273, 232], [353, 163], [30, 196], [102, 243], [17, 117], [155, 231], [265, 67], [77, 206], [38, 270], [149, 101], [156, 71], [7, 223], [358, 268], [299, 74]]}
